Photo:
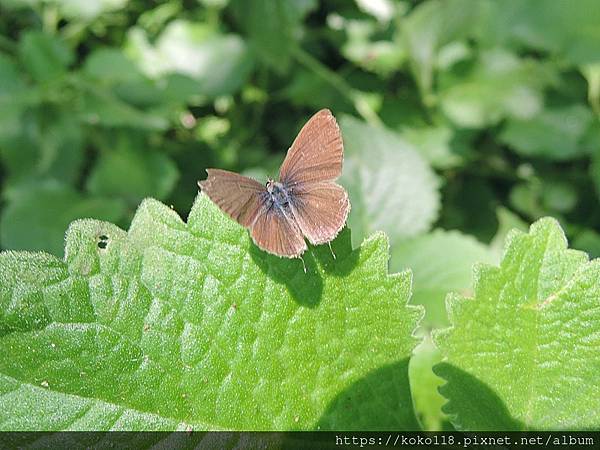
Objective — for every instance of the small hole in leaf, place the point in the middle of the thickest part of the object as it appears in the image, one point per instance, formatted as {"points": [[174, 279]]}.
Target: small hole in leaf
{"points": [[102, 244], [103, 237]]}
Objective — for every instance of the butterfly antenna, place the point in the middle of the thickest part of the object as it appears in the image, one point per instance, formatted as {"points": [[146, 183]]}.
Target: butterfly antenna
{"points": [[303, 265], [332, 254]]}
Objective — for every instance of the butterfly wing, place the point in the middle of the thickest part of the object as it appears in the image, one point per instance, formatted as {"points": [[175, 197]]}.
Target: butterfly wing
{"points": [[316, 154], [238, 196], [311, 166], [277, 233], [320, 209]]}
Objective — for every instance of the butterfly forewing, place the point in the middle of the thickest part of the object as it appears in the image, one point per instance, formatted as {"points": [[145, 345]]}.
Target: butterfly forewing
{"points": [[239, 196], [316, 154], [274, 232], [320, 210]]}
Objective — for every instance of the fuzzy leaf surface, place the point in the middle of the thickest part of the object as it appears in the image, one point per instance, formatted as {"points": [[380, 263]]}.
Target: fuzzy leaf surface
{"points": [[176, 324], [527, 341]]}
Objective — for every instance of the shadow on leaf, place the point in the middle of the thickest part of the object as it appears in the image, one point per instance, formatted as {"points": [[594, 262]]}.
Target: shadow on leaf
{"points": [[345, 258], [480, 407], [305, 288], [379, 401]]}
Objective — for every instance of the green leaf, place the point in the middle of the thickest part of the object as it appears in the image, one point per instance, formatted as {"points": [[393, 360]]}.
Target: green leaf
{"points": [[45, 57], [87, 11], [273, 27], [434, 143], [111, 66], [380, 56], [441, 262], [175, 324], [527, 340], [591, 72], [391, 187], [72, 9], [424, 386], [36, 216], [595, 170], [12, 86], [588, 241], [556, 26], [219, 63], [555, 133], [499, 85], [101, 107], [47, 146], [430, 26], [133, 174]]}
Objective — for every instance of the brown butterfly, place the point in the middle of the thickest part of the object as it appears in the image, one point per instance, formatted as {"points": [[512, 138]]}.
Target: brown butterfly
{"points": [[305, 202]]}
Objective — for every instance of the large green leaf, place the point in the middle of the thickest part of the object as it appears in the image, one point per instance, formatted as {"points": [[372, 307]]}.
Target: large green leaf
{"points": [[391, 187], [179, 324], [522, 353]]}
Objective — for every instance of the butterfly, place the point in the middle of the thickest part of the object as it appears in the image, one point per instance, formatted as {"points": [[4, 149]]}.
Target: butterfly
{"points": [[305, 202]]}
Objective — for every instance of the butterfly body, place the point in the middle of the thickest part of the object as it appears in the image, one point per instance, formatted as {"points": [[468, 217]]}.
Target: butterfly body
{"points": [[278, 195], [305, 202]]}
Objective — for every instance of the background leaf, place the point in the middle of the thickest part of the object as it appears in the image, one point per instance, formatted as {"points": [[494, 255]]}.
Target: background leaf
{"points": [[441, 262], [45, 57], [499, 85], [424, 385], [554, 133], [391, 187], [132, 174], [219, 63], [273, 27], [36, 216], [525, 342]]}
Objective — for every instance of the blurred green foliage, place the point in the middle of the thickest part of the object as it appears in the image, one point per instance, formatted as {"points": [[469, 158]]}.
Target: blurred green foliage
{"points": [[462, 115], [103, 103]]}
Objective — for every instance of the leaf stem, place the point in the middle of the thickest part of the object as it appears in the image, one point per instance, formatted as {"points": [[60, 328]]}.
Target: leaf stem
{"points": [[353, 95]]}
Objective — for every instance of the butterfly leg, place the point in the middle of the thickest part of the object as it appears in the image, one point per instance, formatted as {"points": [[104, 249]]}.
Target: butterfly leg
{"points": [[332, 254], [303, 264]]}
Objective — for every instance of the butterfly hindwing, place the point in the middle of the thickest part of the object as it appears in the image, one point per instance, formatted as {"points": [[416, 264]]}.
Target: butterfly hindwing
{"points": [[320, 210], [277, 233]]}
